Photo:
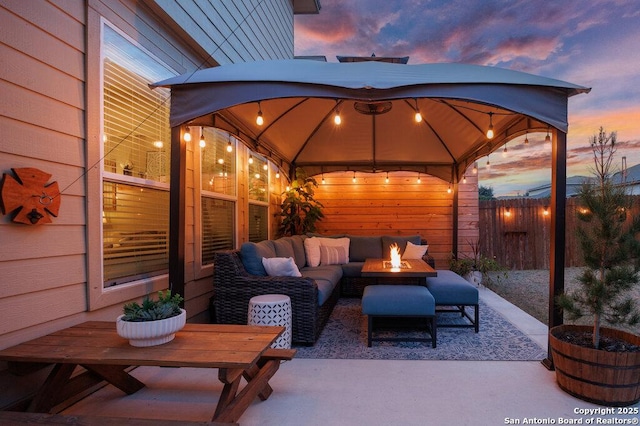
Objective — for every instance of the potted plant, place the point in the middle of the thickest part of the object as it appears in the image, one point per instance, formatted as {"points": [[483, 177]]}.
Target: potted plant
{"points": [[299, 209], [595, 363], [476, 268], [154, 322]]}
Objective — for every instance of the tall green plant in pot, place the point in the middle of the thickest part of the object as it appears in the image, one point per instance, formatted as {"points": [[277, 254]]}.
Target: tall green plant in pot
{"points": [[611, 253], [299, 209]]}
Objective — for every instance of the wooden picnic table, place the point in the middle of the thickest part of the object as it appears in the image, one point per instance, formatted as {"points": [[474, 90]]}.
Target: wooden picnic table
{"points": [[237, 351]]}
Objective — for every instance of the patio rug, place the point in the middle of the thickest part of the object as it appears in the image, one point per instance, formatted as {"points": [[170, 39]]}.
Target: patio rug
{"points": [[345, 337]]}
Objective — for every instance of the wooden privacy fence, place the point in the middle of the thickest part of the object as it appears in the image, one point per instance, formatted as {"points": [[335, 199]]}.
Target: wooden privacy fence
{"points": [[517, 231]]}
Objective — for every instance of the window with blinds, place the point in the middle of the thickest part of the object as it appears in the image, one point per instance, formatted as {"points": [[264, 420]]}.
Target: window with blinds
{"points": [[218, 227], [218, 183], [135, 228], [258, 223], [136, 147]]}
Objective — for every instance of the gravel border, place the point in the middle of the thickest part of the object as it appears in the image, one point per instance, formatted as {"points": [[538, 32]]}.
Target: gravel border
{"points": [[529, 290]]}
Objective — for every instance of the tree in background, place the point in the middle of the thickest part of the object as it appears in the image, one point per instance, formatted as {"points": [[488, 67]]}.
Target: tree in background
{"points": [[485, 193]]}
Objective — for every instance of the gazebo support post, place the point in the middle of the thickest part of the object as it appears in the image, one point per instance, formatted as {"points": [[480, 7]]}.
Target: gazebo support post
{"points": [[557, 237], [177, 211], [454, 213]]}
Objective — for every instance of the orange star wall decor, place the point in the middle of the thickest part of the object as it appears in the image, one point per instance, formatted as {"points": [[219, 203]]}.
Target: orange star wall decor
{"points": [[28, 196]]}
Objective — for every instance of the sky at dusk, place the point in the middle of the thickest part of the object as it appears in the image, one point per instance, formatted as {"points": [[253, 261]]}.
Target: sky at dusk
{"points": [[592, 43]]}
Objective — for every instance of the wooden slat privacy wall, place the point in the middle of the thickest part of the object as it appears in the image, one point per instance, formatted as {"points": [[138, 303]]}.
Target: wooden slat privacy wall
{"points": [[370, 206]]}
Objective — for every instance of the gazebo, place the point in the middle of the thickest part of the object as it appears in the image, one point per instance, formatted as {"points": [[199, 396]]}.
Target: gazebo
{"points": [[435, 119]]}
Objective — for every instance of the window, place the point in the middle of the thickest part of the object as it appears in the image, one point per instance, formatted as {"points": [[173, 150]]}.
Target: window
{"points": [[258, 198], [136, 144], [258, 223], [218, 174], [258, 178]]}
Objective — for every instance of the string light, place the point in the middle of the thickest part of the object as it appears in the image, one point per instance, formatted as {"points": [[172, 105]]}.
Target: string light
{"points": [[336, 118], [187, 134], [526, 138], [488, 163], [475, 168], [419, 180], [418, 116], [277, 173], [545, 211], [504, 152], [387, 178], [548, 137], [490, 130], [259, 118], [203, 143], [323, 181], [464, 179], [229, 146], [265, 167], [507, 211], [250, 159], [449, 189], [354, 177]]}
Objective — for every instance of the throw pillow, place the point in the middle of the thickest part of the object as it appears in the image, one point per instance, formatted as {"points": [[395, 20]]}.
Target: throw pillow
{"points": [[337, 242], [332, 255], [281, 267], [413, 251], [312, 251]]}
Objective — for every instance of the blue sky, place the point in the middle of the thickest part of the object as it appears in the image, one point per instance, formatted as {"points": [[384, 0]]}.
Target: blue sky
{"points": [[593, 43]]}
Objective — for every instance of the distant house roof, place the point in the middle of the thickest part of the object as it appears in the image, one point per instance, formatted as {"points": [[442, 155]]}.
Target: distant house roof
{"points": [[306, 7], [630, 178]]}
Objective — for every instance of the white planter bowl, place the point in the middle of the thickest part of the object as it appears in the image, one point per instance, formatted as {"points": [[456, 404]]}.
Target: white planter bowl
{"points": [[151, 333]]}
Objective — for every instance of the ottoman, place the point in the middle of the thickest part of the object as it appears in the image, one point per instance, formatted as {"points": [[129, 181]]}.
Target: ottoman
{"points": [[399, 301], [453, 293]]}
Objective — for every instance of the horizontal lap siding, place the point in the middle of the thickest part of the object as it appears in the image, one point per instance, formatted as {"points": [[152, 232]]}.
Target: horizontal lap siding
{"points": [[42, 125], [402, 207]]}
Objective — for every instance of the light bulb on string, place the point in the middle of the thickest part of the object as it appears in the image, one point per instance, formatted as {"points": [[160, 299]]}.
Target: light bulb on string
{"points": [[505, 151], [490, 130], [387, 178], [203, 143], [526, 138], [354, 177], [418, 116], [187, 134], [259, 118], [250, 159]]}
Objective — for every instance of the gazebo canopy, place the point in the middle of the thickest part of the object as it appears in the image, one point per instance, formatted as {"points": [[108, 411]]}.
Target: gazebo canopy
{"points": [[377, 102]]}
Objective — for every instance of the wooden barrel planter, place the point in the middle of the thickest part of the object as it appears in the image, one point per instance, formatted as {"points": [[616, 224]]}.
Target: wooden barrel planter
{"points": [[597, 376]]}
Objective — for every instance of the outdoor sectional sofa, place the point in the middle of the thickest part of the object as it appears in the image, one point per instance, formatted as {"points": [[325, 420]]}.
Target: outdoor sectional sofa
{"points": [[240, 275]]}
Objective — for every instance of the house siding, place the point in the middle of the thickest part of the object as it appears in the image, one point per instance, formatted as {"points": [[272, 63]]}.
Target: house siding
{"points": [[50, 119]]}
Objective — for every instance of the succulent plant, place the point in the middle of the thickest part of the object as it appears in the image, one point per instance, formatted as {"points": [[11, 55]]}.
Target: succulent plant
{"points": [[166, 306]]}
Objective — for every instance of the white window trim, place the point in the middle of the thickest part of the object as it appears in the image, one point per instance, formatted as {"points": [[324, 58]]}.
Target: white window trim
{"points": [[98, 296]]}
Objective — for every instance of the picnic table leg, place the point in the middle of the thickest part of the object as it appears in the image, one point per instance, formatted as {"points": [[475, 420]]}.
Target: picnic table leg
{"points": [[49, 394], [116, 375], [232, 404]]}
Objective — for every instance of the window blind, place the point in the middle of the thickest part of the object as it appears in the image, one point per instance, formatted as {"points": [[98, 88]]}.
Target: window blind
{"points": [[218, 227]]}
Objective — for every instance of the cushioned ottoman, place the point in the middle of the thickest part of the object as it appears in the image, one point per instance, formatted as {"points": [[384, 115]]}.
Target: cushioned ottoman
{"points": [[450, 289], [400, 301]]}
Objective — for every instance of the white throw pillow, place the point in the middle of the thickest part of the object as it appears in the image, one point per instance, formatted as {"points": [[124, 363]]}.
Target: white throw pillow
{"points": [[413, 251], [332, 255], [281, 267], [337, 242], [312, 251]]}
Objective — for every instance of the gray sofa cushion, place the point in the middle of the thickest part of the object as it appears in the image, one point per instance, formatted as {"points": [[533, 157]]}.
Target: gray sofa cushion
{"points": [[326, 277], [283, 247], [298, 250], [352, 269], [362, 248], [252, 254], [401, 241]]}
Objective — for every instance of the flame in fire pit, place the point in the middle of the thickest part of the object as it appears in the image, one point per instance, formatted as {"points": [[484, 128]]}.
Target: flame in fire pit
{"points": [[394, 252]]}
